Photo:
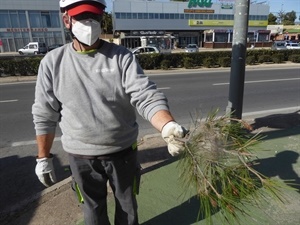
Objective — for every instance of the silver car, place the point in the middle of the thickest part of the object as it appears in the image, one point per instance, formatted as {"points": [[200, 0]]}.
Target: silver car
{"points": [[192, 48], [145, 50]]}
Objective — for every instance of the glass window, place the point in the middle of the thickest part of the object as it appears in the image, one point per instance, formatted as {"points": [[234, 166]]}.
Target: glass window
{"points": [[14, 20], [46, 22], [34, 19], [55, 19], [151, 15], [205, 16], [123, 15], [167, 16], [221, 37], [201, 17], [181, 16], [172, 16], [140, 15], [145, 15], [156, 16], [134, 15], [197, 16], [176, 16], [22, 20], [162, 16], [209, 37], [128, 15], [117, 15], [4, 19]]}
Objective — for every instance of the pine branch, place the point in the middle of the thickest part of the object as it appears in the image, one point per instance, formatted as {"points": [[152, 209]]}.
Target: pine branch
{"points": [[217, 163]]}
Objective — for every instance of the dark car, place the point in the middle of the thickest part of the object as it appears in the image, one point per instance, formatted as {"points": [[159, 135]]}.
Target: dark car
{"points": [[51, 47]]}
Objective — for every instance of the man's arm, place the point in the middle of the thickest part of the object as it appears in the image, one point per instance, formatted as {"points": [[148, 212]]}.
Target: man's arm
{"points": [[160, 119], [44, 143]]}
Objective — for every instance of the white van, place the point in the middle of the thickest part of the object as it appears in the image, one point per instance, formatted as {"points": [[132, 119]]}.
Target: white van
{"points": [[33, 48]]}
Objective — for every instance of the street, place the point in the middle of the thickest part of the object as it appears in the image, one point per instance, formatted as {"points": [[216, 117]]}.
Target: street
{"points": [[191, 95]]}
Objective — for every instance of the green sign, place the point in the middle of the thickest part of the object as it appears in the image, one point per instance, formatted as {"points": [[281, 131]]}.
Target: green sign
{"points": [[200, 3], [223, 6]]}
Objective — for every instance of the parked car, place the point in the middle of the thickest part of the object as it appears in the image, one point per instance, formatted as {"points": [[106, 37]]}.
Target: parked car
{"points": [[51, 47], [292, 45], [145, 50], [33, 48], [192, 48], [278, 45]]}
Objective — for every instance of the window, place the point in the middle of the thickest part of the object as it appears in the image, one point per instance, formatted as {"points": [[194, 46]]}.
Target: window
{"points": [[22, 19], [162, 16], [140, 15], [34, 19], [46, 22], [4, 19]]}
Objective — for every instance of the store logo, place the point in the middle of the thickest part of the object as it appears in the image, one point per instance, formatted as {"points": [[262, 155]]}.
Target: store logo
{"points": [[200, 3]]}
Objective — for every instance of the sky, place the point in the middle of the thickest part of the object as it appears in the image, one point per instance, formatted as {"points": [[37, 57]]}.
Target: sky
{"points": [[275, 5]]}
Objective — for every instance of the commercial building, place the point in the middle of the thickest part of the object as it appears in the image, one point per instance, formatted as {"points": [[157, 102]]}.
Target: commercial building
{"points": [[165, 24], [205, 23], [24, 21]]}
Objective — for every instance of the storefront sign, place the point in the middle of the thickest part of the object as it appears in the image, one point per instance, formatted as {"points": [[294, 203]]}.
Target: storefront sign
{"points": [[200, 3], [147, 33], [226, 6], [26, 29], [199, 11], [252, 23]]}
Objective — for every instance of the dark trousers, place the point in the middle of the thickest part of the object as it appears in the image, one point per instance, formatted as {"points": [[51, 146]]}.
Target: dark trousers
{"points": [[91, 176]]}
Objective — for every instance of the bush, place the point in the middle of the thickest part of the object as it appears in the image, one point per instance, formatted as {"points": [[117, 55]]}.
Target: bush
{"points": [[278, 58], [165, 64], [264, 58], [188, 63], [250, 60], [209, 62], [225, 61], [294, 58]]}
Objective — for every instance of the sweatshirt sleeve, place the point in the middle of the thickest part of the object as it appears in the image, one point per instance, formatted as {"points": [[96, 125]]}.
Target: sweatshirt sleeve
{"points": [[145, 96], [46, 107]]}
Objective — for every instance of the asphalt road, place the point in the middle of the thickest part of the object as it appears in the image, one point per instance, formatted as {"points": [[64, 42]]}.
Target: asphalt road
{"points": [[190, 96]]}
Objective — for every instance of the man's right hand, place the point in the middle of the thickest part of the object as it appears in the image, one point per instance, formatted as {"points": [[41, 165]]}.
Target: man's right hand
{"points": [[45, 171]]}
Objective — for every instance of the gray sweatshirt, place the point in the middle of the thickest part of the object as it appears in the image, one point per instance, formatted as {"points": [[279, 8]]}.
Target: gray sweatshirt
{"points": [[93, 97]]}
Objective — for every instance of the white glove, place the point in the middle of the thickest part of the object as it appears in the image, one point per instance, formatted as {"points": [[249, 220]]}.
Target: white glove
{"points": [[45, 171], [170, 132]]}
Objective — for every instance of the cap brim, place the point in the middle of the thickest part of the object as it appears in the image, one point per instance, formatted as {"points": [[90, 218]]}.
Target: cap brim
{"points": [[85, 8]]}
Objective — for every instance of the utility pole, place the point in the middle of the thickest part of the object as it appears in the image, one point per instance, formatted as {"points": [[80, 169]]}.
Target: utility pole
{"points": [[238, 59]]}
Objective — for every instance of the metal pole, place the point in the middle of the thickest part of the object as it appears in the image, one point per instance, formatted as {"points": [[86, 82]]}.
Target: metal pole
{"points": [[238, 58]]}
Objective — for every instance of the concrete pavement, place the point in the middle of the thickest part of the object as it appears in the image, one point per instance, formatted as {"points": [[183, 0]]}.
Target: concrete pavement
{"points": [[161, 201]]}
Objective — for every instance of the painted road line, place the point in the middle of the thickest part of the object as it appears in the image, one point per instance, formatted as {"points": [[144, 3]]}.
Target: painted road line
{"points": [[6, 101], [260, 81]]}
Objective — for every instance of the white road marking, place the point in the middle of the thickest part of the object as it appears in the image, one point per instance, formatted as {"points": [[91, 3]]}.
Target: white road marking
{"points": [[260, 81], [247, 114], [164, 88], [6, 101]]}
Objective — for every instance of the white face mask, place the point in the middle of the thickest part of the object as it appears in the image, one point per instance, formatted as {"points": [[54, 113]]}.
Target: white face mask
{"points": [[87, 31]]}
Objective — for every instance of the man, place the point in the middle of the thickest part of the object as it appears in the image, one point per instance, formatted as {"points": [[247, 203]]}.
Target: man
{"points": [[92, 88]]}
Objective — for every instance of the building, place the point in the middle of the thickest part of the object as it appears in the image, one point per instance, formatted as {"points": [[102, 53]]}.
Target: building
{"points": [[24, 21], [205, 23]]}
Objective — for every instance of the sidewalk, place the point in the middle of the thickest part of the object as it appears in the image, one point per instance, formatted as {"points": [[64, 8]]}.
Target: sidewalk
{"points": [[161, 201]]}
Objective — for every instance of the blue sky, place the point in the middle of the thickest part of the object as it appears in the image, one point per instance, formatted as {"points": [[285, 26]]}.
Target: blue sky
{"points": [[275, 5]]}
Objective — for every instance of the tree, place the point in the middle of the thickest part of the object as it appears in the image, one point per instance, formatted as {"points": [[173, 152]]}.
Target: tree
{"points": [[106, 23], [272, 19], [289, 18], [280, 16]]}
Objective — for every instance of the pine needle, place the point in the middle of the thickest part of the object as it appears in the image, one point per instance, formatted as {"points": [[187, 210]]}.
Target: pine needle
{"points": [[217, 164]]}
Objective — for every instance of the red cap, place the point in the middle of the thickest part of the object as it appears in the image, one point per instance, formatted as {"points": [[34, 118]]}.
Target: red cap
{"points": [[85, 8]]}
